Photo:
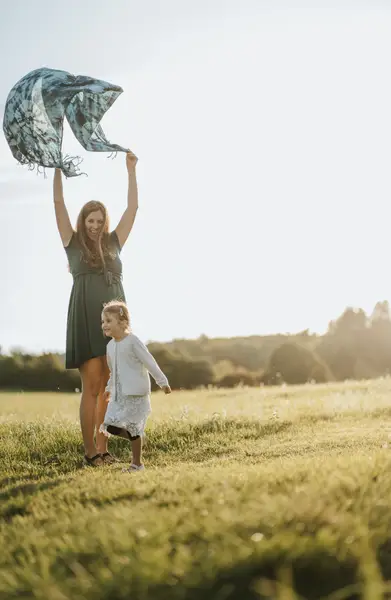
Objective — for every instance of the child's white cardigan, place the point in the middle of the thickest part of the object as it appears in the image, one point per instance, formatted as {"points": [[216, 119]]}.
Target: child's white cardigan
{"points": [[134, 361]]}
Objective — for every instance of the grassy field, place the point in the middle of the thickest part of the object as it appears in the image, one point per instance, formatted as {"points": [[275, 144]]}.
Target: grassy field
{"points": [[249, 494]]}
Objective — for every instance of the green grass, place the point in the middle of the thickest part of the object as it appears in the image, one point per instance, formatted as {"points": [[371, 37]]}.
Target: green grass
{"points": [[248, 494]]}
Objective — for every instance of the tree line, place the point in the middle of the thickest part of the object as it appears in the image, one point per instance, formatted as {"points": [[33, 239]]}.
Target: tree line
{"points": [[356, 346]]}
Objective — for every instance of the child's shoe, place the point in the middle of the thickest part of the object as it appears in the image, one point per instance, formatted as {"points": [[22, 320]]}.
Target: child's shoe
{"points": [[134, 468]]}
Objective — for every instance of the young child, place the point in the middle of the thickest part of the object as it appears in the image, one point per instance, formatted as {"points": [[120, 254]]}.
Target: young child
{"points": [[129, 385]]}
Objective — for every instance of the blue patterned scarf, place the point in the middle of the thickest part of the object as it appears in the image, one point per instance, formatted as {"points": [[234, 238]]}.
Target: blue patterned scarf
{"points": [[34, 115]]}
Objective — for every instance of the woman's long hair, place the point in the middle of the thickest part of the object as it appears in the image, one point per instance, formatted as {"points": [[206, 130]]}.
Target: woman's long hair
{"points": [[94, 254]]}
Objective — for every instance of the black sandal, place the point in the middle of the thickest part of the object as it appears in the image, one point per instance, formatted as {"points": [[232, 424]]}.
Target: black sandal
{"points": [[90, 462], [108, 458]]}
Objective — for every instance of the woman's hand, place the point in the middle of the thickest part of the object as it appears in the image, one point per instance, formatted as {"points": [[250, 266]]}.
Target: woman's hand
{"points": [[131, 161], [166, 389]]}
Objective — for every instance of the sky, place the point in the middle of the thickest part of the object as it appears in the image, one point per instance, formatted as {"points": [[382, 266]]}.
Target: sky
{"points": [[263, 131]]}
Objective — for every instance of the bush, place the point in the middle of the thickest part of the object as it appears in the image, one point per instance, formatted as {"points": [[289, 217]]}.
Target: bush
{"points": [[291, 363], [232, 380]]}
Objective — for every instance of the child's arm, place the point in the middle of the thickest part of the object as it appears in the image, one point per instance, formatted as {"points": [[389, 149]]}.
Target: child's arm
{"points": [[144, 355], [109, 385]]}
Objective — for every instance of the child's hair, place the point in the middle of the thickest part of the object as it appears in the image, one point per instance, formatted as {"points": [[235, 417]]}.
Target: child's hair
{"points": [[119, 309]]}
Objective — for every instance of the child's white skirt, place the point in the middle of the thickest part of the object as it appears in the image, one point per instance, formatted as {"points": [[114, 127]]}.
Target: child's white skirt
{"points": [[127, 412]]}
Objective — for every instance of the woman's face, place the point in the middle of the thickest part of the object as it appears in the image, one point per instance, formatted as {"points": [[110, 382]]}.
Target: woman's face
{"points": [[93, 224]]}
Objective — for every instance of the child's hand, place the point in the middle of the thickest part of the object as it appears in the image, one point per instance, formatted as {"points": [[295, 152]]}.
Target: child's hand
{"points": [[106, 396], [166, 389]]}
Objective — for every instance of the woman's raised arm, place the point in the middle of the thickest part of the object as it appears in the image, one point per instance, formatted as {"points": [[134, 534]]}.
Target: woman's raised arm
{"points": [[63, 222], [125, 225]]}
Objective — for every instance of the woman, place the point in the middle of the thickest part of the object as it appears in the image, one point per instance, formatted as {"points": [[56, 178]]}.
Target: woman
{"points": [[93, 255]]}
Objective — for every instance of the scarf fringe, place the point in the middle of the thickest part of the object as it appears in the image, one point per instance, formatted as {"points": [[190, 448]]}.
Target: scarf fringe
{"points": [[32, 166], [70, 166]]}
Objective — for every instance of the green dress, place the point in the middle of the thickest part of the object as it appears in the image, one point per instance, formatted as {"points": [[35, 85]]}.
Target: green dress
{"points": [[92, 288]]}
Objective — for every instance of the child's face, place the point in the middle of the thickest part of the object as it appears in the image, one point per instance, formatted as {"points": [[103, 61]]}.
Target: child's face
{"points": [[112, 326]]}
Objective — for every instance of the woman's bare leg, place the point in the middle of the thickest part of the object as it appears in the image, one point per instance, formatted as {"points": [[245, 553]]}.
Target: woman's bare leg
{"points": [[91, 375]]}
